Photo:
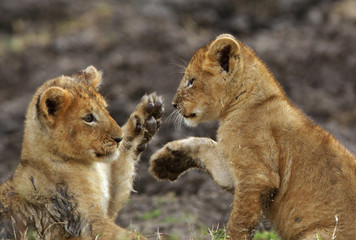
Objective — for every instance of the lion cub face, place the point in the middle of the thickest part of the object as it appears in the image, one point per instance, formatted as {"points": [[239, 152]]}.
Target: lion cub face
{"points": [[77, 125], [205, 89]]}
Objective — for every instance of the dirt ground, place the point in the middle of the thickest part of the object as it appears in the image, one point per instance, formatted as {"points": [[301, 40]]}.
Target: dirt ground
{"points": [[142, 46]]}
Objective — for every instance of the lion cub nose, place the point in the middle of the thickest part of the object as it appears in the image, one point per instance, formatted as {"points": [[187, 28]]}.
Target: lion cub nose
{"points": [[117, 139], [174, 105]]}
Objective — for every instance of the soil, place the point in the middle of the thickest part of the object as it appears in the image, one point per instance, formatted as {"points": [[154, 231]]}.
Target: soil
{"points": [[143, 46]]}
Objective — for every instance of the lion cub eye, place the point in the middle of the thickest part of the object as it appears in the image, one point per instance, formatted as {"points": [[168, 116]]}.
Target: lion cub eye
{"points": [[190, 82], [89, 118]]}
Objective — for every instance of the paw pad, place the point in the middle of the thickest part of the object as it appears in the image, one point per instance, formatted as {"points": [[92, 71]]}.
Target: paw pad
{"points": [[148, 118], [171, 164]]}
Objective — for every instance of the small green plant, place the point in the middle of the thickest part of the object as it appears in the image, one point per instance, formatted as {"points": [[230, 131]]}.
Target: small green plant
{"points": [[318, 237], [138, 236], [97, 236], [31, 235], [218, 234], [266, 235]]}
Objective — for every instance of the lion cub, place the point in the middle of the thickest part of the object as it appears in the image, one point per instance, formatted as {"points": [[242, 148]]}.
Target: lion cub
{"points": [[275, 160], [77, 165]]}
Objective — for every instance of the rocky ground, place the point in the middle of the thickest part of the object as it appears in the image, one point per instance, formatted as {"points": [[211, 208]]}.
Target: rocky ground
{"points": [[143, 46]]}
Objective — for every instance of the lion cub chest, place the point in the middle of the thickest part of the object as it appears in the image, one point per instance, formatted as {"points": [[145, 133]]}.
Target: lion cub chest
{"points": [[103, 174]]}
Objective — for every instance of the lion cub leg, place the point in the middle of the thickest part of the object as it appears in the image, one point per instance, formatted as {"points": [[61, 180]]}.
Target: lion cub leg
{"points": [[245, 215], [141, 126], [104, 229], [176, 157], [254, 193]]}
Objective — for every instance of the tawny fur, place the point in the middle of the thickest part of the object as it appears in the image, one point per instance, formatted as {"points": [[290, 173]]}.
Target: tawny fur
{"points": [[75, 172], [275, 160]]}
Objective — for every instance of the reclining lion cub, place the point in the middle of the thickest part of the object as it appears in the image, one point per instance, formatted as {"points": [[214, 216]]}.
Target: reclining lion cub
{"points": [[276, 161], [77, 165]]}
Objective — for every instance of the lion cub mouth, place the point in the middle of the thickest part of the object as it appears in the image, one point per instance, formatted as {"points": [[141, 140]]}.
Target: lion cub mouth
{"points": [[193, 115], [100, 155], [108, 157]]}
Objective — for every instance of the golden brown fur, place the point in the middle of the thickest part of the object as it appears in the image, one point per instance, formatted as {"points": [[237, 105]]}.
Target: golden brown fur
{"points": [[277, 162], [77, 164]]}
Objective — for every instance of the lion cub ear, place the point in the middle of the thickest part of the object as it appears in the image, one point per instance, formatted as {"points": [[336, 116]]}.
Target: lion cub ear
{"points": [[53, 102], [225, 50], [91, 76]]}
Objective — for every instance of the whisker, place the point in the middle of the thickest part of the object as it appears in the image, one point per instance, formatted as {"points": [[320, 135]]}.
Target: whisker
{"points": [[176, 122], [180, 67], [113, 92], [183, 61], [178, 119], [171, 115]]}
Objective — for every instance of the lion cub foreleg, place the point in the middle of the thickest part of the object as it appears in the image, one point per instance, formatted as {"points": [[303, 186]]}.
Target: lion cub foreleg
{"points": [[141, 126], [107, 230], [256, 187], [245, 214], [176, 157]]}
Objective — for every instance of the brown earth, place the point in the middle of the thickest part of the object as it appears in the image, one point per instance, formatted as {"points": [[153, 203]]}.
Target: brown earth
{"points": [[143, 46]]}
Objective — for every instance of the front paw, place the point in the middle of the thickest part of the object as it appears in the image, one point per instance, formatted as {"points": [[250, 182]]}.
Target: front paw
{"points": [[169, 162], [144, 121]]}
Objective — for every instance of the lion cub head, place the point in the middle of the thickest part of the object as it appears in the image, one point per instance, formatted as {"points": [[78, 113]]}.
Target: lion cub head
{"points": [[67, 120], [208, 85]]}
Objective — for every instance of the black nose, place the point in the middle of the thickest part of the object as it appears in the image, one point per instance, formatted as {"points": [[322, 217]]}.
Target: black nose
{"points": [[117, 139], [174, 105]]}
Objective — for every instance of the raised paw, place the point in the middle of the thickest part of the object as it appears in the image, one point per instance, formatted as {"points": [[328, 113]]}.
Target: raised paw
{"points": [[144, 121], [168, 163]]}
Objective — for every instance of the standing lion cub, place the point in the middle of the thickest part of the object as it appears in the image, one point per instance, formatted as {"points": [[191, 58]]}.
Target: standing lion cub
{"points": [[275, 160], [77, 164]]}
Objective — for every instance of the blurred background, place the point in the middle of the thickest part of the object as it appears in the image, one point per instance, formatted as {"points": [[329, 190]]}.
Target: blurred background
{"points": [[143, 46]]}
